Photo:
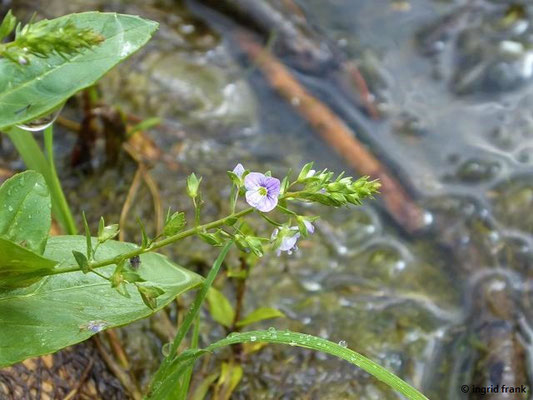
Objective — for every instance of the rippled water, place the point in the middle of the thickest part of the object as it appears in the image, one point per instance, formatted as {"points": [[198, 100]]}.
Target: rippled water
{"points": [[451, 80]]}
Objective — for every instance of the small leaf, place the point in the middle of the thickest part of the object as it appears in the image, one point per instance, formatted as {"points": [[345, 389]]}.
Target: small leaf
{"points": [[145, 243], [108, 232], [220, 308], [214, 239], [174, 224], [305, 171], [260, 314], [82, 261], [8, 24], [149, 294]]}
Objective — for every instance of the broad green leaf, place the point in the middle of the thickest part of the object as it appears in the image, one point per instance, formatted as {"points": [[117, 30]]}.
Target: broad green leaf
{"points": [[65, 309], [35, 89], [220, 308], [20, 267], [260, 314], [25, 210]]}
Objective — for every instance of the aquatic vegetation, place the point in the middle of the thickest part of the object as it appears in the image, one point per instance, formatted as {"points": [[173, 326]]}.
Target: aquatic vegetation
{"points": [[100, 283]]}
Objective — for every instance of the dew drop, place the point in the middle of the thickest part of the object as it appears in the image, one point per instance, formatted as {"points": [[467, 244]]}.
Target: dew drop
{"points": [[343, 343], [253, 338], [40, 124], [292, 344], [10, 208], [272, 329], [165, 350]]}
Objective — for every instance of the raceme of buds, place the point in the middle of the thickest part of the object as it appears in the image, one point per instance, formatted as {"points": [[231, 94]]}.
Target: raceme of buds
{"points": [[44, 38]]}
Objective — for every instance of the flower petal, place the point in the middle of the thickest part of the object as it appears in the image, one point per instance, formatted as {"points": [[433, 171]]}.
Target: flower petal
{"points": [[309, 226], [272, 185], [253, 180], [268, 203], [254, 198], [238, 170]]}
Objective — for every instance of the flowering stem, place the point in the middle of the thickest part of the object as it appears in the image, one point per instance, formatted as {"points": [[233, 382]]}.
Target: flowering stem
{"points": [[161, 243]]}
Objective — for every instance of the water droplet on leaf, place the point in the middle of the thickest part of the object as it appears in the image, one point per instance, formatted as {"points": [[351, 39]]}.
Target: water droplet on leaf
{"points": [[40, 124], [343, 343], [165, 350]]}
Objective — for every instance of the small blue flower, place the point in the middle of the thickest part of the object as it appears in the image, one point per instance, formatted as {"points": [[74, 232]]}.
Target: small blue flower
{"points": [[262, 191], [288, 240], [238, 170], [309, 226]]}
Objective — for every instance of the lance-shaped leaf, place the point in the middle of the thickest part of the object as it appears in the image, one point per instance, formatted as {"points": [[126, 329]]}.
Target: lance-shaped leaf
{"points": [[65, 309], [25, 210], [20, 267], [36, 88]]}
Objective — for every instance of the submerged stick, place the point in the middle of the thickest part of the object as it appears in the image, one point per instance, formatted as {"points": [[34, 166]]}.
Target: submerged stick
{"points": [[338, 135]]}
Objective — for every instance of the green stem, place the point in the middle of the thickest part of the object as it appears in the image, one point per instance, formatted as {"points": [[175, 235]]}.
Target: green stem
{"points": [[191, 315], [55, 184], [186, 380], [161, 243]]}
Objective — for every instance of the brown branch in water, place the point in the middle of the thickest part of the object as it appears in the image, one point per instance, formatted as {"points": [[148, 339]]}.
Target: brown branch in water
{"points": [[337, 135]]}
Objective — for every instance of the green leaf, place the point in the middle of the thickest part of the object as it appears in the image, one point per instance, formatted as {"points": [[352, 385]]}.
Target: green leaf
{"points": [[25, 210], [65, 309], [108, 232], [81, 260], [260, 314], [8, 24], [33, 90], [307, 342], [220, 308], [174, 224], [20, 267], [149, 295]]}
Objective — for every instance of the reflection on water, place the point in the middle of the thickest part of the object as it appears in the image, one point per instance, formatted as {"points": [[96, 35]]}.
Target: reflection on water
{"points": [[451, 83]]}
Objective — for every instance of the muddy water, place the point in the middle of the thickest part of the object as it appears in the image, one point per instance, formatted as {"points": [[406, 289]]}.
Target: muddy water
{"points": [[451, 80]]}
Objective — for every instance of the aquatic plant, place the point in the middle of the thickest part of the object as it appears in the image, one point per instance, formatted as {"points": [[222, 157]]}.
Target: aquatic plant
{"points": [[60, 290]]}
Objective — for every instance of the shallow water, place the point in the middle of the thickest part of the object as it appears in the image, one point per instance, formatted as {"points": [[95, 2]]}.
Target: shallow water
{"points": [[452, 85]]}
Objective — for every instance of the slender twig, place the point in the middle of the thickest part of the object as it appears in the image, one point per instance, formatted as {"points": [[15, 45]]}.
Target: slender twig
{"points": [[132, 192], [125, 379]]}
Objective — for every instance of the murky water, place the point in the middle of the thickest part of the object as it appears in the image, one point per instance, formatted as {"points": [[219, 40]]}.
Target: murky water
{"points": [[451, 81]]}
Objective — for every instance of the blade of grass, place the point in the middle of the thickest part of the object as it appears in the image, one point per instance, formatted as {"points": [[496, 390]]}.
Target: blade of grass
{"points": [[166, 367], [187, 358], [324, 346]]}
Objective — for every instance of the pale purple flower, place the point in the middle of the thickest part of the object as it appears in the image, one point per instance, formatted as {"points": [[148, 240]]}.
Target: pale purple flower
{"points": [[238, 170], [309, 226], [288, 242], [262, 191]]}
